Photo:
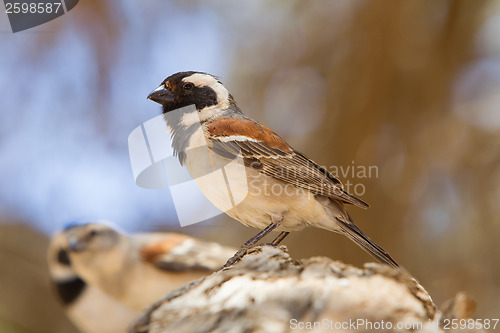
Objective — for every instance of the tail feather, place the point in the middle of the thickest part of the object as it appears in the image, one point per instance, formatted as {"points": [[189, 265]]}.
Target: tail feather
{"points": [[353, 232]]}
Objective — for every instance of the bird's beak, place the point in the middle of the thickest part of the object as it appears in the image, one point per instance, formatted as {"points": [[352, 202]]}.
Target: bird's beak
{"points": [[161, 95], [74, 245]]}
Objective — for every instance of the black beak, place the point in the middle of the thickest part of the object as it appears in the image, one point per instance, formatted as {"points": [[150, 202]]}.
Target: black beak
{"points": [[161, 95], [75, 245]]}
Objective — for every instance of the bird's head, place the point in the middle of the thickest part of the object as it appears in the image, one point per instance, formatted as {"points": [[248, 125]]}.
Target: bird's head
{"points": [[203, 90], [95, 250], [92, 238]]}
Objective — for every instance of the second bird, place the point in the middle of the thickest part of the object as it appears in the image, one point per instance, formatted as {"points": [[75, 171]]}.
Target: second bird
{"points": [[138, 269]]}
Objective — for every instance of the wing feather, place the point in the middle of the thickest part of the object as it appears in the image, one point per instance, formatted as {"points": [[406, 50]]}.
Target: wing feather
{"points": [[275, 158]]}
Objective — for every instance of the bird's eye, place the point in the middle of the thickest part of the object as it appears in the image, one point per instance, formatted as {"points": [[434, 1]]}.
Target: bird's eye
{"points": [[93, 233], [188, 86]]}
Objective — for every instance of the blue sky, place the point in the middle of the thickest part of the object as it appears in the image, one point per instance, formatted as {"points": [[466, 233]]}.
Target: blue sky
{"points": [[58, 164]]}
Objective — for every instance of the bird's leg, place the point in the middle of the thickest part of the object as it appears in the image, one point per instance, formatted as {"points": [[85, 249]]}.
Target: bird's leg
{"points": [[280, 238], [251, 242]]}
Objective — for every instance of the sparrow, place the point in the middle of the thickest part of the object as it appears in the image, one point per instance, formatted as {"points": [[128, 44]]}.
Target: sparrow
{"points": [[138, 269], [282, 189], [89, 308]]}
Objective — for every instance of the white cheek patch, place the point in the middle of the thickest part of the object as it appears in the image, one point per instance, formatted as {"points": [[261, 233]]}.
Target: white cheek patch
{"points": [[61, 273], [222, 95]]}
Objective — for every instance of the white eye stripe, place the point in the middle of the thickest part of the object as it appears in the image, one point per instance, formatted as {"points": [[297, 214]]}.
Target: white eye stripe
{"points": [[201, 80]]}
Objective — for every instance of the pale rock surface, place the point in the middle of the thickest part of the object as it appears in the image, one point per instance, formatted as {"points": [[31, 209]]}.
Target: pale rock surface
{"points": [[269, 292]]}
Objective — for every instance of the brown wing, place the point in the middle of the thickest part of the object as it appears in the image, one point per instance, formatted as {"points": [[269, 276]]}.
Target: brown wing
{"points": [[266, 152]]}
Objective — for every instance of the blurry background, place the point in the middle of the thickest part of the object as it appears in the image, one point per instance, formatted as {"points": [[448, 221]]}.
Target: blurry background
{"points": [[410, 87]]}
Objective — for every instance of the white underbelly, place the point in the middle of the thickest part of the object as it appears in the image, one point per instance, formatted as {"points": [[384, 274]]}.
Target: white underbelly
{"points": [[253, 198]]}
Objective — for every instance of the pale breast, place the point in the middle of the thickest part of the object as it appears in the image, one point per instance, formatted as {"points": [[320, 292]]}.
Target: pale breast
{"points": [[248, 195]]}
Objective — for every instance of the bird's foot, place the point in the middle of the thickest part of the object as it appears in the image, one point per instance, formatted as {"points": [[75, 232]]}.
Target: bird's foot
{"points": [[251, 242], [237, 256], [267, 244]]}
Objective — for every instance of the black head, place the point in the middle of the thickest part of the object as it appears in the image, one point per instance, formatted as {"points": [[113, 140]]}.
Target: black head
{"points": [[188, 88]]}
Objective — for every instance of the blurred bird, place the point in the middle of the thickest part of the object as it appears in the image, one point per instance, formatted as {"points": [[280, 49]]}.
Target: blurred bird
{"points": [[137, 270], [286, 190], [88, 307]]}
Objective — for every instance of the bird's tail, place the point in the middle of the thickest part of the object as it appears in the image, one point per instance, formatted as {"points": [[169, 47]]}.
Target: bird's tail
{"points": [[353, 232]]}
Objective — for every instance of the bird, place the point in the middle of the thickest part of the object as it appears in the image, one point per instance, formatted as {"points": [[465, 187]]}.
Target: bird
{"points": [[138, 269], [89, 308], [283, 189]]}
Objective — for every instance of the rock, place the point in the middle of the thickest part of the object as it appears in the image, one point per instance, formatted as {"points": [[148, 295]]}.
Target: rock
{"points": [[267, 291]]}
